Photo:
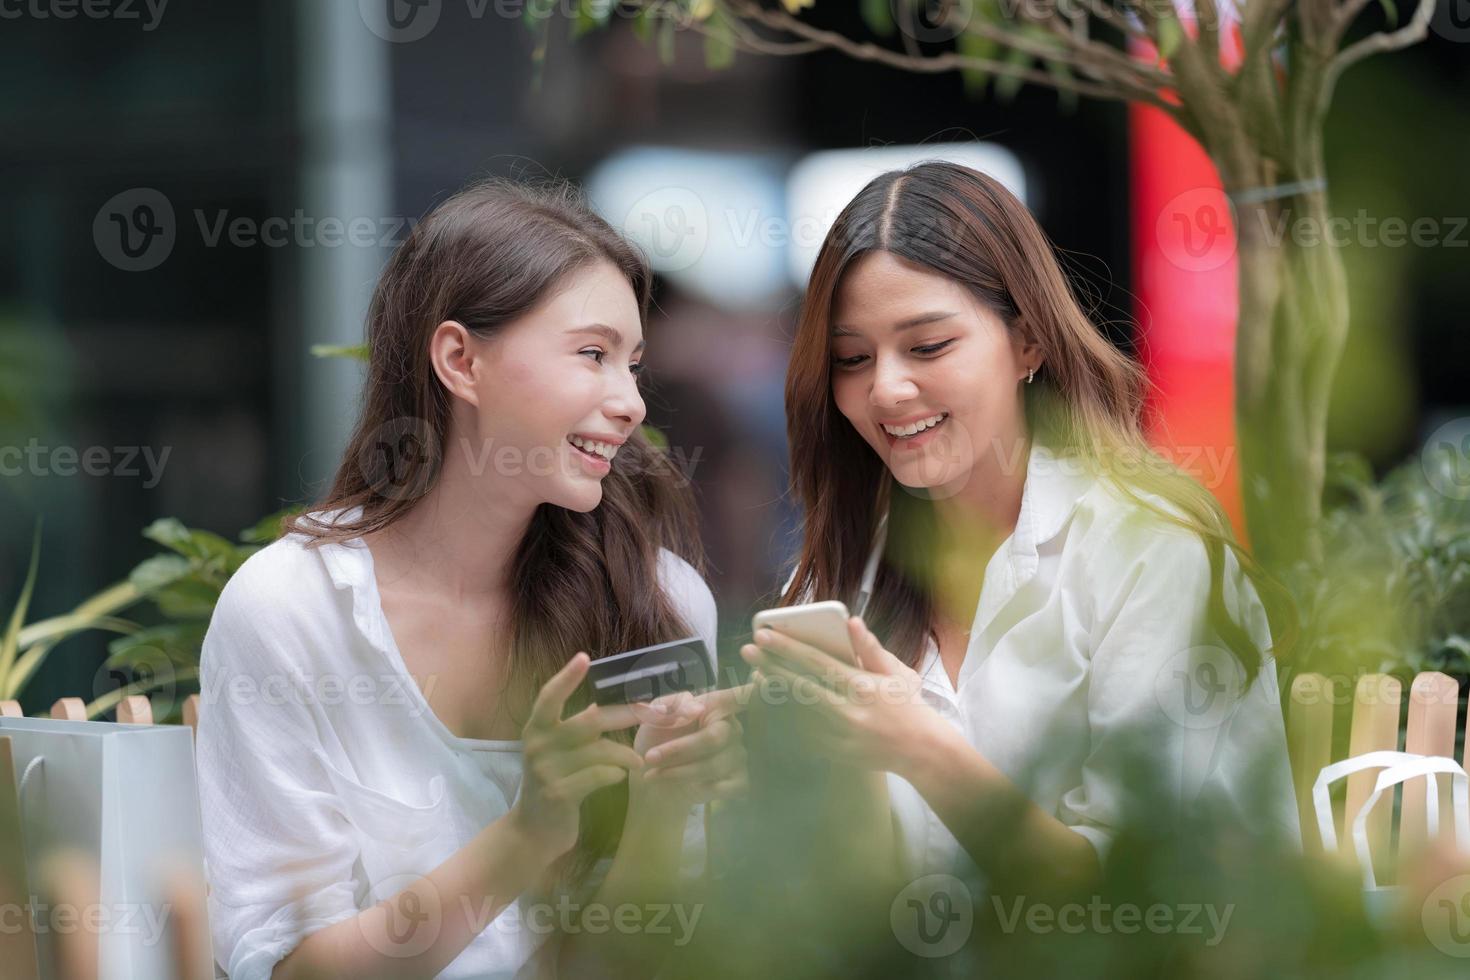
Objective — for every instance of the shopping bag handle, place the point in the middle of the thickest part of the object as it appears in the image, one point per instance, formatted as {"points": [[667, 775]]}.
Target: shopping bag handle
{"points": [[1428, 766]]}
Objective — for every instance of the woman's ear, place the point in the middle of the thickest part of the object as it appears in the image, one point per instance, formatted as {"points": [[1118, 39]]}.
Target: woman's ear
{"points": [[453, 354], [1028, 352]]}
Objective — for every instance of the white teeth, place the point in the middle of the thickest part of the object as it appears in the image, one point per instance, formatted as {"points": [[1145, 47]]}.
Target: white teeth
{"points": [[604, 449], [914, 428]]}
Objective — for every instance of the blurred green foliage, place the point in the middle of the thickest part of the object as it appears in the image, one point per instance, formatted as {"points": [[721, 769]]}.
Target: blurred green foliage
{"points": [[1394, 595]]}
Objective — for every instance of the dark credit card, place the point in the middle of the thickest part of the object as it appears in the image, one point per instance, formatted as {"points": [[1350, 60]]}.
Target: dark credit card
{"points": [[652, 672]]}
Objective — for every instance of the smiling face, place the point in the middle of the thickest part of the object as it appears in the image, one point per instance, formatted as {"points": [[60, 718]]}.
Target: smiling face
{"points": [[926, 374], [555, 393]]}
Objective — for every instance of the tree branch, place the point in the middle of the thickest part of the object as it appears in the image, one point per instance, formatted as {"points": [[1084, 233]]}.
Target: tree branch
{"points": [[1411, 33], [1126, 91]]}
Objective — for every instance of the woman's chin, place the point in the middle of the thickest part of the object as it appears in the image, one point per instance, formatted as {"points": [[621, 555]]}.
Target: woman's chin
{"points": [[579, 494], [936, 482]]}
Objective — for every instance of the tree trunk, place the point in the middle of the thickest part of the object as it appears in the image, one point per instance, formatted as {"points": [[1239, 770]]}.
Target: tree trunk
{"points": [[1290, 335]]}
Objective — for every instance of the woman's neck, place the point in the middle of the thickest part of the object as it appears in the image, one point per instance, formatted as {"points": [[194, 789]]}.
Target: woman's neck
{"points": [[460, 540], [989, 504]]}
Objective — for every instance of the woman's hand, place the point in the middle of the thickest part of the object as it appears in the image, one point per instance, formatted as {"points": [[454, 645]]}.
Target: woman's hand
{"points": [[565, 760], [868, 717], [693, 747]]}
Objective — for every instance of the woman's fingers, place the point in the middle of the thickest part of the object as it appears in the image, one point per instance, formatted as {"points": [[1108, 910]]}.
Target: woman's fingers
{"points": [[725, 703], [579, 785], [691, 748], [719, 766], [670, 711], [599, 753], [594, 721], [871, 654], [803, 656], [803, 689], [552, 698]]}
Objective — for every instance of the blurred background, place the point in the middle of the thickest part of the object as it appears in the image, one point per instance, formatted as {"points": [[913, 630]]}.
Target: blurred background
{"points": [[194, 195]]}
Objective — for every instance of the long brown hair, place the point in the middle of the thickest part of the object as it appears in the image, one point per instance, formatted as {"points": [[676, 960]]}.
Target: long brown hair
{"points": [[1086, 403], [582, 581]]}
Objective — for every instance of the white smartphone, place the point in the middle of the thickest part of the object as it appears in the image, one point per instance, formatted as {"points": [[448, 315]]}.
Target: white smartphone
{"points": [[819, 624]]}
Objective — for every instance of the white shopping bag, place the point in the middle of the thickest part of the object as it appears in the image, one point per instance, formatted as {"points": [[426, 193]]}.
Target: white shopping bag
{"points": [[126, 798], [1398, 767]]}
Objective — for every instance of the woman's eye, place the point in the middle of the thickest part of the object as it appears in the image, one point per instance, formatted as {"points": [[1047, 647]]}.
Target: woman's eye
{"points": [[933, 348], [637, 369], [849, 362], [597, 353]]}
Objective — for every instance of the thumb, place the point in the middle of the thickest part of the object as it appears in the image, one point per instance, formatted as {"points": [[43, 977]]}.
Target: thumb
{"points": [[871, 653]]}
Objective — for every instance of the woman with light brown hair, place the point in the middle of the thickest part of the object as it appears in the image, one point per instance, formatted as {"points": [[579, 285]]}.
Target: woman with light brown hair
{"points": [[1048, 602], [399, 769]]}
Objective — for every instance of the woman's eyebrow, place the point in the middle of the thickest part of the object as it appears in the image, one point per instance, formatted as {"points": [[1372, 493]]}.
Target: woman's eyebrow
{"points": [[611, 334], [913, 321]]}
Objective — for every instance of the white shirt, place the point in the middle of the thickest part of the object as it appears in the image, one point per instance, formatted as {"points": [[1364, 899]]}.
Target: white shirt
{"points": [[326, 781], [1089, 630]]}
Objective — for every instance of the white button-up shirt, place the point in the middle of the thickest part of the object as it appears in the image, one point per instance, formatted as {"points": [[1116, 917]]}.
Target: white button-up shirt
{"points": [[1090, 634], [326, 781]]}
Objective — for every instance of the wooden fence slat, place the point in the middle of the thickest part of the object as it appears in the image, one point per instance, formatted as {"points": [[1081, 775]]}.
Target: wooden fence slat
{"points": [[1309, 742], [69, 709], [1434, 700], [1375, 728], [135, 709], [191, 713]]}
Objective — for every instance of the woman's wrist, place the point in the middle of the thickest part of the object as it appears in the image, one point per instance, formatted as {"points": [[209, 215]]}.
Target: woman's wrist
{"points": [[650, 800], [931, 754], [537, 850]]}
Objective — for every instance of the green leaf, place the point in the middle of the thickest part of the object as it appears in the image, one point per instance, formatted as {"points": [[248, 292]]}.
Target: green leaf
{"points": [[975, 46], [1390, 12], [1171, 35], [1066, 97], [203, 545], [655, 437], [1006, 86], [719, 43], [10, 644], [268, 529], [356, 352], [158, 572], [179, 642], [31, 660], [643, 24], [666, 42], [187, 598], [878, 15]]}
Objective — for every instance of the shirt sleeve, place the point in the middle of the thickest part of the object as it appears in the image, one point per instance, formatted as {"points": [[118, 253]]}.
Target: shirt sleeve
{"points": [[1172, 722], [277, 845]]}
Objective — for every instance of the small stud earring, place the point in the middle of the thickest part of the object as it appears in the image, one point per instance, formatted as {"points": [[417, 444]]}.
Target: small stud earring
{"points": [[1030, 376]]}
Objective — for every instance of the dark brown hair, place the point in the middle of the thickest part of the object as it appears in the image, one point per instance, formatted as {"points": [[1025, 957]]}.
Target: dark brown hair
{"points": [[1086, 403], [582, 581]]}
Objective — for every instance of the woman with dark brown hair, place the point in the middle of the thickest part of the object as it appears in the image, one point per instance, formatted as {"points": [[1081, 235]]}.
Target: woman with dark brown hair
{"points": [[1056, 604], [389, 778]]}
